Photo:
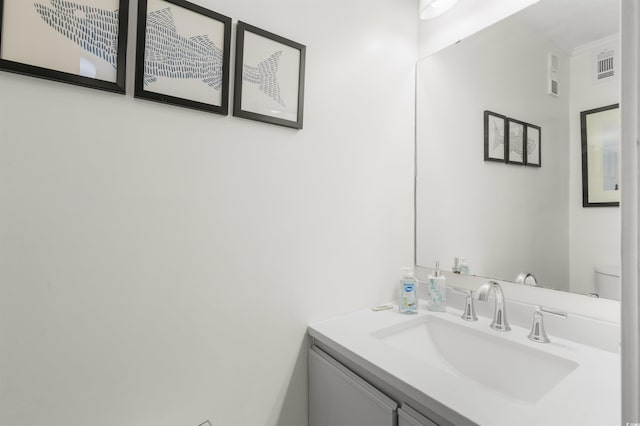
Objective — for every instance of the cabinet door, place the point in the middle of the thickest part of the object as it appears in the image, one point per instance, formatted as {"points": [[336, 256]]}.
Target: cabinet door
{"points": [[407, 416], [337, 397]]}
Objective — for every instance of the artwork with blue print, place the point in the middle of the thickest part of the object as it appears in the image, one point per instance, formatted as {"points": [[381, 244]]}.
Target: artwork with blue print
{"points": [[265, 76], [169, 54], [270, 76], [183, 53], [74, 36], [516, 139], [93, 29]]}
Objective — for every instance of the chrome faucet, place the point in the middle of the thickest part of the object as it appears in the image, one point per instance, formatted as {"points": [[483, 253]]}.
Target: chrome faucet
{"points": [[526, 278], [500, 316]]}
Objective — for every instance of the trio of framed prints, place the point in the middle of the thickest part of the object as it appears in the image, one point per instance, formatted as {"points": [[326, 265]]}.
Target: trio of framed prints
{"points": [[511, 141], [182, 55]]}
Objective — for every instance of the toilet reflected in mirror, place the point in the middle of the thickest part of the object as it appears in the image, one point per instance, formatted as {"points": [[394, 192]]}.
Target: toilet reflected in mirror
{"points": [[608, 282]]}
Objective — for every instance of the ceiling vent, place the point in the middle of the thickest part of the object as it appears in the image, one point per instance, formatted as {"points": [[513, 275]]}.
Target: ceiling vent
{"points": [[605, 65]]}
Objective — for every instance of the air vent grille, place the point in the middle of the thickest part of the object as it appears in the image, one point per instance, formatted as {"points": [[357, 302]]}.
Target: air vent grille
{"points": [[552, 78], [605, 65]]}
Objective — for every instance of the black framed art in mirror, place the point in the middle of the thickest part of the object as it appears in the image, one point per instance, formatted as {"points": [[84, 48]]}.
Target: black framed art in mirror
{"points": [[600, 139], [495, 129], [515, 138]]}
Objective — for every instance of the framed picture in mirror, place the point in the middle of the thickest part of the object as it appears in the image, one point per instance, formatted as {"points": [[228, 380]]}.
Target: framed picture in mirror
{"points": [[495, 126], [515, 141], [600, 131], [533, 148]]}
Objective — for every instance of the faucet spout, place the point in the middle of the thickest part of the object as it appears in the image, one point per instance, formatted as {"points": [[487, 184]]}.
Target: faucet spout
{"points": [[500, 315]]}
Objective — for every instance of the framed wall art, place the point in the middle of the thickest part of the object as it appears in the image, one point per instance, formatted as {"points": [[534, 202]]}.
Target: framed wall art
{"points": [[81, 42], [515, 141], [182, 55], [269, 77], [600, 131], [533, 146], [495, 126]]}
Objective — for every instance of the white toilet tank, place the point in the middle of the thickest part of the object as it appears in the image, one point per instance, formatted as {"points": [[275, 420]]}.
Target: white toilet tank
{"points": [[608, 282]]}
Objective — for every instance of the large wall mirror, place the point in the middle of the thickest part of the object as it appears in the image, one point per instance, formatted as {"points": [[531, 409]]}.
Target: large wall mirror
{"points": [[506, 219]]}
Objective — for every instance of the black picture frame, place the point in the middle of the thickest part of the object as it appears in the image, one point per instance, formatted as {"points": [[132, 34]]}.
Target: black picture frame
{"points": [[593, 135], [266, 97], [98, 27], [515, 137], [495, 129], [533, 146], [185, 70]]}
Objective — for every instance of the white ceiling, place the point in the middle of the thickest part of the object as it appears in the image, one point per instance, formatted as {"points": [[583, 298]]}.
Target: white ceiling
{"points": [[573, 23]]}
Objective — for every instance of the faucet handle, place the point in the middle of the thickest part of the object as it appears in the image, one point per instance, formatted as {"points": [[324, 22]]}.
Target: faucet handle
{"points": [[469, 313], [537, 333], [549, 311], [464, 291]]}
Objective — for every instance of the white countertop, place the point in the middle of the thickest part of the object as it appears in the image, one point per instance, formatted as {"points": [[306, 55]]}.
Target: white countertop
{"points": [[588, 396]]}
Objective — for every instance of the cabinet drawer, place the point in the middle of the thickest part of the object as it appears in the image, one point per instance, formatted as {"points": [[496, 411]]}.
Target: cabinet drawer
{"points": [[338, 397]]}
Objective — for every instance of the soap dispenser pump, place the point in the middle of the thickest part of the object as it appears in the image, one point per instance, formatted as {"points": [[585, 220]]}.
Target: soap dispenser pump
{"points": [[437, 291]]}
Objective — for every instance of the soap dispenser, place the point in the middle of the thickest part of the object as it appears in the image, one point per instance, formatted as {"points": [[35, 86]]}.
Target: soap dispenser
{"points": [[456, 265], [437, 291], [408, 303]]}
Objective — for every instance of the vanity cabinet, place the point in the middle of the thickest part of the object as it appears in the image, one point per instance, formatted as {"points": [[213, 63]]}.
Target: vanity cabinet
{"points": [[338, 397]]}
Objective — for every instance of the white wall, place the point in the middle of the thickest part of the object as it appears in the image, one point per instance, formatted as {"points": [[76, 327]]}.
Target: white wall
{"points": [[595, 232], [464, 20], [158, 266], [505, 218]]}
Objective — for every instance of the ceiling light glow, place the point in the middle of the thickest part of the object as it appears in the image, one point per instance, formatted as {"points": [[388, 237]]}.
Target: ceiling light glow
{"points": [[430, 9]]}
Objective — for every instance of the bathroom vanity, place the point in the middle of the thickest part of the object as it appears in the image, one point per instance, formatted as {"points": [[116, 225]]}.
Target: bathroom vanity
{"points": [[382, 368]]}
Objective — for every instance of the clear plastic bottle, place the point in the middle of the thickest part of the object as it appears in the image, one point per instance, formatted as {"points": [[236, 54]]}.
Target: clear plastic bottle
{"points": [[437, 291], [464, 266], [408, 303]]}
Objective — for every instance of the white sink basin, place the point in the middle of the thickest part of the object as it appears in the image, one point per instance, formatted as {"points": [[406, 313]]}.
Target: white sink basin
{"points": [[517, 371]]}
